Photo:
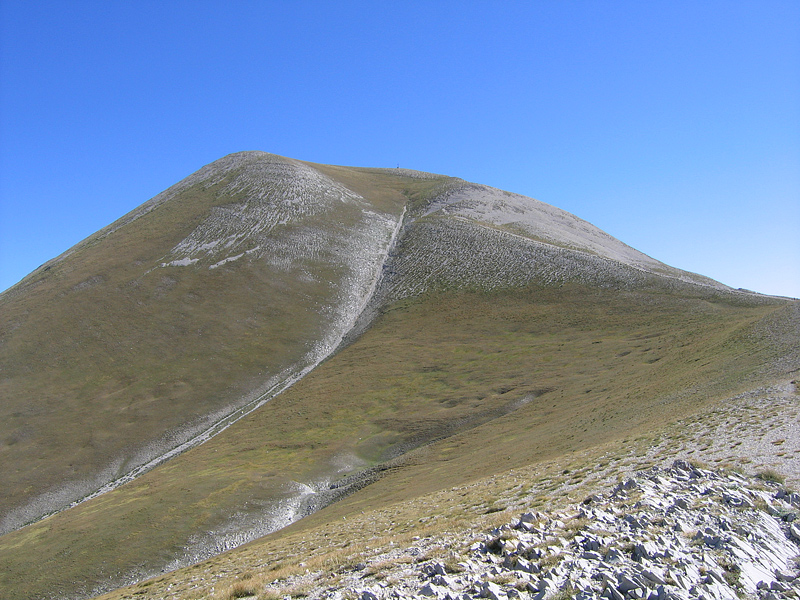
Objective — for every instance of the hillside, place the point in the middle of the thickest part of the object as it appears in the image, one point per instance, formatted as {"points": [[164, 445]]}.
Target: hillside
{"points": [[121, 341], [366, 336]]}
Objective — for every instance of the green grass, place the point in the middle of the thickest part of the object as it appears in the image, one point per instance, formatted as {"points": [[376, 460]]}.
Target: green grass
{"points": [[447, 363], [445, 389], [771, 475], [103, 356]]}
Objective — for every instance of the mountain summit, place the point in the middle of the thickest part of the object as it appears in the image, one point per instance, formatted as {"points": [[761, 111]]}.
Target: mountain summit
{"points": [[269, 337]]}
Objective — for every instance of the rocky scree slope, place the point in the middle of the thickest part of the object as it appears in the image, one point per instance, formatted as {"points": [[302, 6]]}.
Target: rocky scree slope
{"points": [[470, 236], [677, 533]]}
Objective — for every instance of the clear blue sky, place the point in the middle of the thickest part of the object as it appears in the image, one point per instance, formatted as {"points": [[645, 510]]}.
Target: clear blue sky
{"points": [[674, 126]]}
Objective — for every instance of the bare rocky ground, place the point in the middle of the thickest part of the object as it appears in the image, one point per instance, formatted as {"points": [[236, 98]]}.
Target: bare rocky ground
{"points": [[683, 532], [754, 432]]}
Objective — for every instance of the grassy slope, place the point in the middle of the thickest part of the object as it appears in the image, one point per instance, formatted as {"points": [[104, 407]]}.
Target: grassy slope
{"points": [[321, 551], [575, 366], [598, 365], [99, 354]]}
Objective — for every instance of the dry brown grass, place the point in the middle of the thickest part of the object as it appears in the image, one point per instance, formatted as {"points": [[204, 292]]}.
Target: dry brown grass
{"points": [[480, 351], [771, 475], [241, 589]]}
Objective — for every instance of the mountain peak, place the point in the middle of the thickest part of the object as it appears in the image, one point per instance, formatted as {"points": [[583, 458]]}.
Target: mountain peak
{"points": [[268, 336]]}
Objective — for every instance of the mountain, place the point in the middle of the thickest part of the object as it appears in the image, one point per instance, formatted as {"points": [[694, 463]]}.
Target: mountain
{"points": [[270, 337]]}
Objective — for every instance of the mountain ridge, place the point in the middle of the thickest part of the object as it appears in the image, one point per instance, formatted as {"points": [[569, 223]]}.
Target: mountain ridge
{"points": [[239, 283], [241, 229]]}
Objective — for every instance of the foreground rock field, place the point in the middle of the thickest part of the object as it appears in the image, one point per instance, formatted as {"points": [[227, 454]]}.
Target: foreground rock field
{"points": [[682, 532]]}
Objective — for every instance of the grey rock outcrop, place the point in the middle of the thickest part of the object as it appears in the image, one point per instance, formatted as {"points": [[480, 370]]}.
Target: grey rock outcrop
{"points": [[666, 534]]}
